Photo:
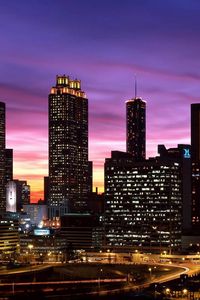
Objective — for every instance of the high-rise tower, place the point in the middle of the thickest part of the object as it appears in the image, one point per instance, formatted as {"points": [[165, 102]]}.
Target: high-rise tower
{"points": [[136, 128], [8, 165], [195, 131], [2, 156], [195, 146], [68, 147]]}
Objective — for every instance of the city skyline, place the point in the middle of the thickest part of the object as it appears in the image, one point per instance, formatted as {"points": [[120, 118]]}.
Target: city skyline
{"points": [[105, 47]]}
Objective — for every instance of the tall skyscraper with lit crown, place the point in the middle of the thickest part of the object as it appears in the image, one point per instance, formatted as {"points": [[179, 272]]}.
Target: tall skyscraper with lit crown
{"points": [[68, 147], [136, 128]]}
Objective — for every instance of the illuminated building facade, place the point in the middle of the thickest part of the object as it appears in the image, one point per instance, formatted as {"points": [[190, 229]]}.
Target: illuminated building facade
{"points": [[2, 156], [195, 194], [68, 147], [11, 197], [143, 202], [17, 194], [52, 223], [195, 144], [136, 128]]}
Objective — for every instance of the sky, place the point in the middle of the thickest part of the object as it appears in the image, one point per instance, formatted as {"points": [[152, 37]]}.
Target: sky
{"points": [[105, 43]]}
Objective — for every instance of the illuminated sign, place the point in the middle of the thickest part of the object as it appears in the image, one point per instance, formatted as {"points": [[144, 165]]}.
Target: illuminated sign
{"points": [[41, 231], [186, 153]]}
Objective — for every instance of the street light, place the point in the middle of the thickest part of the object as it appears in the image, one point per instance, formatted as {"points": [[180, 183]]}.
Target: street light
{"points": [[150, 270], [184, 292], [167, 291], [155, 292], [109, 258], [30, 247], [49, 255], [99, 281]]}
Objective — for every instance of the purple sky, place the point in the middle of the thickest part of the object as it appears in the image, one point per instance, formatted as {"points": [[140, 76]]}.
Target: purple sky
{"points": [[103, 43]]}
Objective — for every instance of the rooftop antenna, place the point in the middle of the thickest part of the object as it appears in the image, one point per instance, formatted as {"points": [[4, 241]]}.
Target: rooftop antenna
{"points": [[135, 86]]}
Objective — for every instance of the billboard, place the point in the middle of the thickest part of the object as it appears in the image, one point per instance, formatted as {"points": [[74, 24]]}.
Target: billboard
{"points": [[41, 231]]}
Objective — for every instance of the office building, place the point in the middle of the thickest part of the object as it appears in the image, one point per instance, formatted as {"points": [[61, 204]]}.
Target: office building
{"points": [[43, 244], [195, 145], [68, 147], [37, 213], [195, 194], [195, 131], [9, 165], [143, 203], [9, 237], [25, 192], [46, 189], [96, 203], [182, 155], [136, 128], [82, 231], [90, 177], [2, 156]]}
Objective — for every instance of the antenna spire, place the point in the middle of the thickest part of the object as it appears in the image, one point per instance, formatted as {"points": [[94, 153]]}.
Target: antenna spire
{"points": [[135, 86]]}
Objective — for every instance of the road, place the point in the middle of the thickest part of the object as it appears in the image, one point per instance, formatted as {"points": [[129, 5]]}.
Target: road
{"points": [[52, 286], [27, 269]]}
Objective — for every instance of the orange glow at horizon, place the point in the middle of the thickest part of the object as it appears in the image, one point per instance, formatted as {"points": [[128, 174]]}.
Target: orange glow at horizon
{"points": [[36, 182], [33, 171]]}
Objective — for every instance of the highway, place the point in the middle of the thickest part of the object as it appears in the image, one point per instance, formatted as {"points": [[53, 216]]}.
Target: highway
{"points": [[55, 286], [27, 269]]}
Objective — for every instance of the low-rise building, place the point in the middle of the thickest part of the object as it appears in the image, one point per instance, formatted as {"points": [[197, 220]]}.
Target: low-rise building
{"points": [[82, 231], [43, 244], [37, 212], [9, 236]]}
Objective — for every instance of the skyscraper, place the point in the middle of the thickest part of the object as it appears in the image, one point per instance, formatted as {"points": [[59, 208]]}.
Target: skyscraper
{"points": [[181, 155], [136, 128], [68, 147], [46, 189], [2, 156], [8, 165], [195, 146], [90, 176], [195, 131]]}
